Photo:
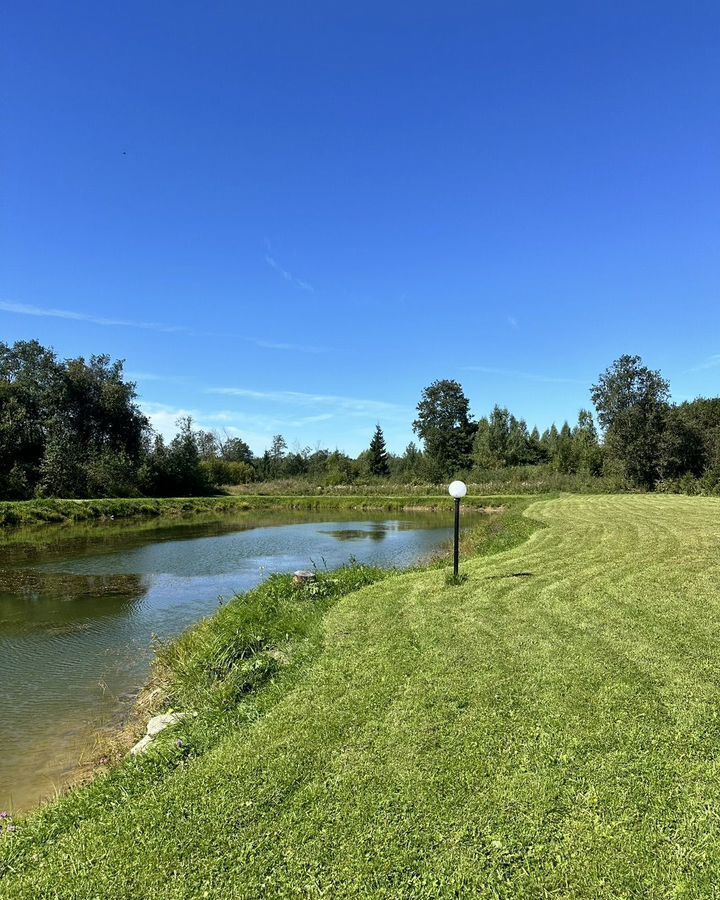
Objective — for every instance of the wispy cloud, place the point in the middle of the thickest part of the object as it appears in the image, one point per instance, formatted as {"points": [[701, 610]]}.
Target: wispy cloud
{"points": [[348, 405], [288, 276], [44, 312], [310, 420], [163, 418], [512, 321], [257, 429], [266, 343], [712, 362], [264, 422], [297, 348], [26, 309], [158, 377], [529, 376]]}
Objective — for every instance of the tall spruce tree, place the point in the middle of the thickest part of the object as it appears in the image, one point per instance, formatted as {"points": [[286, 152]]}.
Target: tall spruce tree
{"points": [[378, 455]]}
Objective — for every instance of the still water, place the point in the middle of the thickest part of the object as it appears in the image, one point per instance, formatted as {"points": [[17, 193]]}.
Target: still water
{"points": [[79, 606]]}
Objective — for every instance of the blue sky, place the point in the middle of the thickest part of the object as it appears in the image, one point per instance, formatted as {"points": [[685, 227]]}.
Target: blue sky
{"points": [[291, 217]]}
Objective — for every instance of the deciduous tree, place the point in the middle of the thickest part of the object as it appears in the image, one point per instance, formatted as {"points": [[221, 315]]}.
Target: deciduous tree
{"points": [[445, 427], [632, 404]]}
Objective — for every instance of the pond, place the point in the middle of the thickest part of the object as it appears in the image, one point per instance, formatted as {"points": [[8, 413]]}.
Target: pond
{"points": [[79, 606]]}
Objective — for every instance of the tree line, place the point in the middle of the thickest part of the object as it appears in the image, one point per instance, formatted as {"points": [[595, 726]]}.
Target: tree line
{"points": [[73, 428], [646, 441]]}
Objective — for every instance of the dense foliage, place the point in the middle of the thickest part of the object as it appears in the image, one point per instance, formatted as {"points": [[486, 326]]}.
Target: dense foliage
{"points": [[647, 441], [72, 428], [445, 427]]}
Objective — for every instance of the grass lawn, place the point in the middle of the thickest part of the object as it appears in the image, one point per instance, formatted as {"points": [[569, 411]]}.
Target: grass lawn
{"points": [[550, 727]]}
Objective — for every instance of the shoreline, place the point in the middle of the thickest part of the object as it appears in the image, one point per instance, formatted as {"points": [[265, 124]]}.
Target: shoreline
{"points": [[108, 747], [19, 513]]}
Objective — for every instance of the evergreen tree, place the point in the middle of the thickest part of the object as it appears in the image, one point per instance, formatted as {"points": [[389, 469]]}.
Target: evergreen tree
{"points": [[377, 455], [564, 456], [588, 454], [536, 451], [278, 448], [274, 457], [549, 441]]}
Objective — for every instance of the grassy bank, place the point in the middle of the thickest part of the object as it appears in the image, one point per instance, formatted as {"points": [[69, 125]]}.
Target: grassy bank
{"points": [[34, 512], [232, 668], [546, 728]]}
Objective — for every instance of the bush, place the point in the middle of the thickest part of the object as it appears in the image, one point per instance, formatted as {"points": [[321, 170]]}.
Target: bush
{"points": [[710, 482], [111, 474], [15, 485], [708, 485], [221, 472]]}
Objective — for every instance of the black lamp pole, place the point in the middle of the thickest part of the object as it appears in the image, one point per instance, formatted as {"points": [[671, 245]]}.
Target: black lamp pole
{"points": [[456, 556], [457, 491]]}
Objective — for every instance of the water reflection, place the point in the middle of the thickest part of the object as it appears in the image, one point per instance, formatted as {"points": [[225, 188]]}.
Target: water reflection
{"points": [[31, 599], [373, 531], [357, 534]]}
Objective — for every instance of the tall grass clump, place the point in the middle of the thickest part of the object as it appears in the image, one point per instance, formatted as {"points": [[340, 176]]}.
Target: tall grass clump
{"points": [[249, 640], [537, 479]]}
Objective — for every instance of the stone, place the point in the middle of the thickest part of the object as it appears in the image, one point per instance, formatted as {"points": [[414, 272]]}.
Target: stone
{"points": [[154, 727], [161, 722], [141, 745], [303, 577]]}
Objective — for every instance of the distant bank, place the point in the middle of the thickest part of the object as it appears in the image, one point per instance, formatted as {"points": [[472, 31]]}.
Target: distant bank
{"points": [[36, 512]]}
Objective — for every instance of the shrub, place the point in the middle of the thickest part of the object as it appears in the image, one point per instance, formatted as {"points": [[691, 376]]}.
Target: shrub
{"points": [[221, 471], [710, 482]]}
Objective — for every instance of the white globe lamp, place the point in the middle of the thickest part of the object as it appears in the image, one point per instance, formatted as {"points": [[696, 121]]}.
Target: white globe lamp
{"points": [[457, 490]]}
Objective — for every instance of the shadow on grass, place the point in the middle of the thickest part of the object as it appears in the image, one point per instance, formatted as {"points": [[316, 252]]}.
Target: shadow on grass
{"points": [[510, 575]]}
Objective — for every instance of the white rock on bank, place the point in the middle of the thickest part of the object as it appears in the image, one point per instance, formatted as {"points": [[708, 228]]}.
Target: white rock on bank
{"points": [[161, 722], [141, 745], [154, 727]]}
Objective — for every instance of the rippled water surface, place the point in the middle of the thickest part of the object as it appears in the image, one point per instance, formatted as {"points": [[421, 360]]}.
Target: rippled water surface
{"points": [[79, 606]]}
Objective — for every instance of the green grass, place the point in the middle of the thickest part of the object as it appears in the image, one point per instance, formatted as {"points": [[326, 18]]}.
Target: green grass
{"points": [[548, 727]]}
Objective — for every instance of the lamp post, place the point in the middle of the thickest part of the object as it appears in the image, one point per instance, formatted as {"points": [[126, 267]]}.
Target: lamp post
{"points": [[457, 491]]}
